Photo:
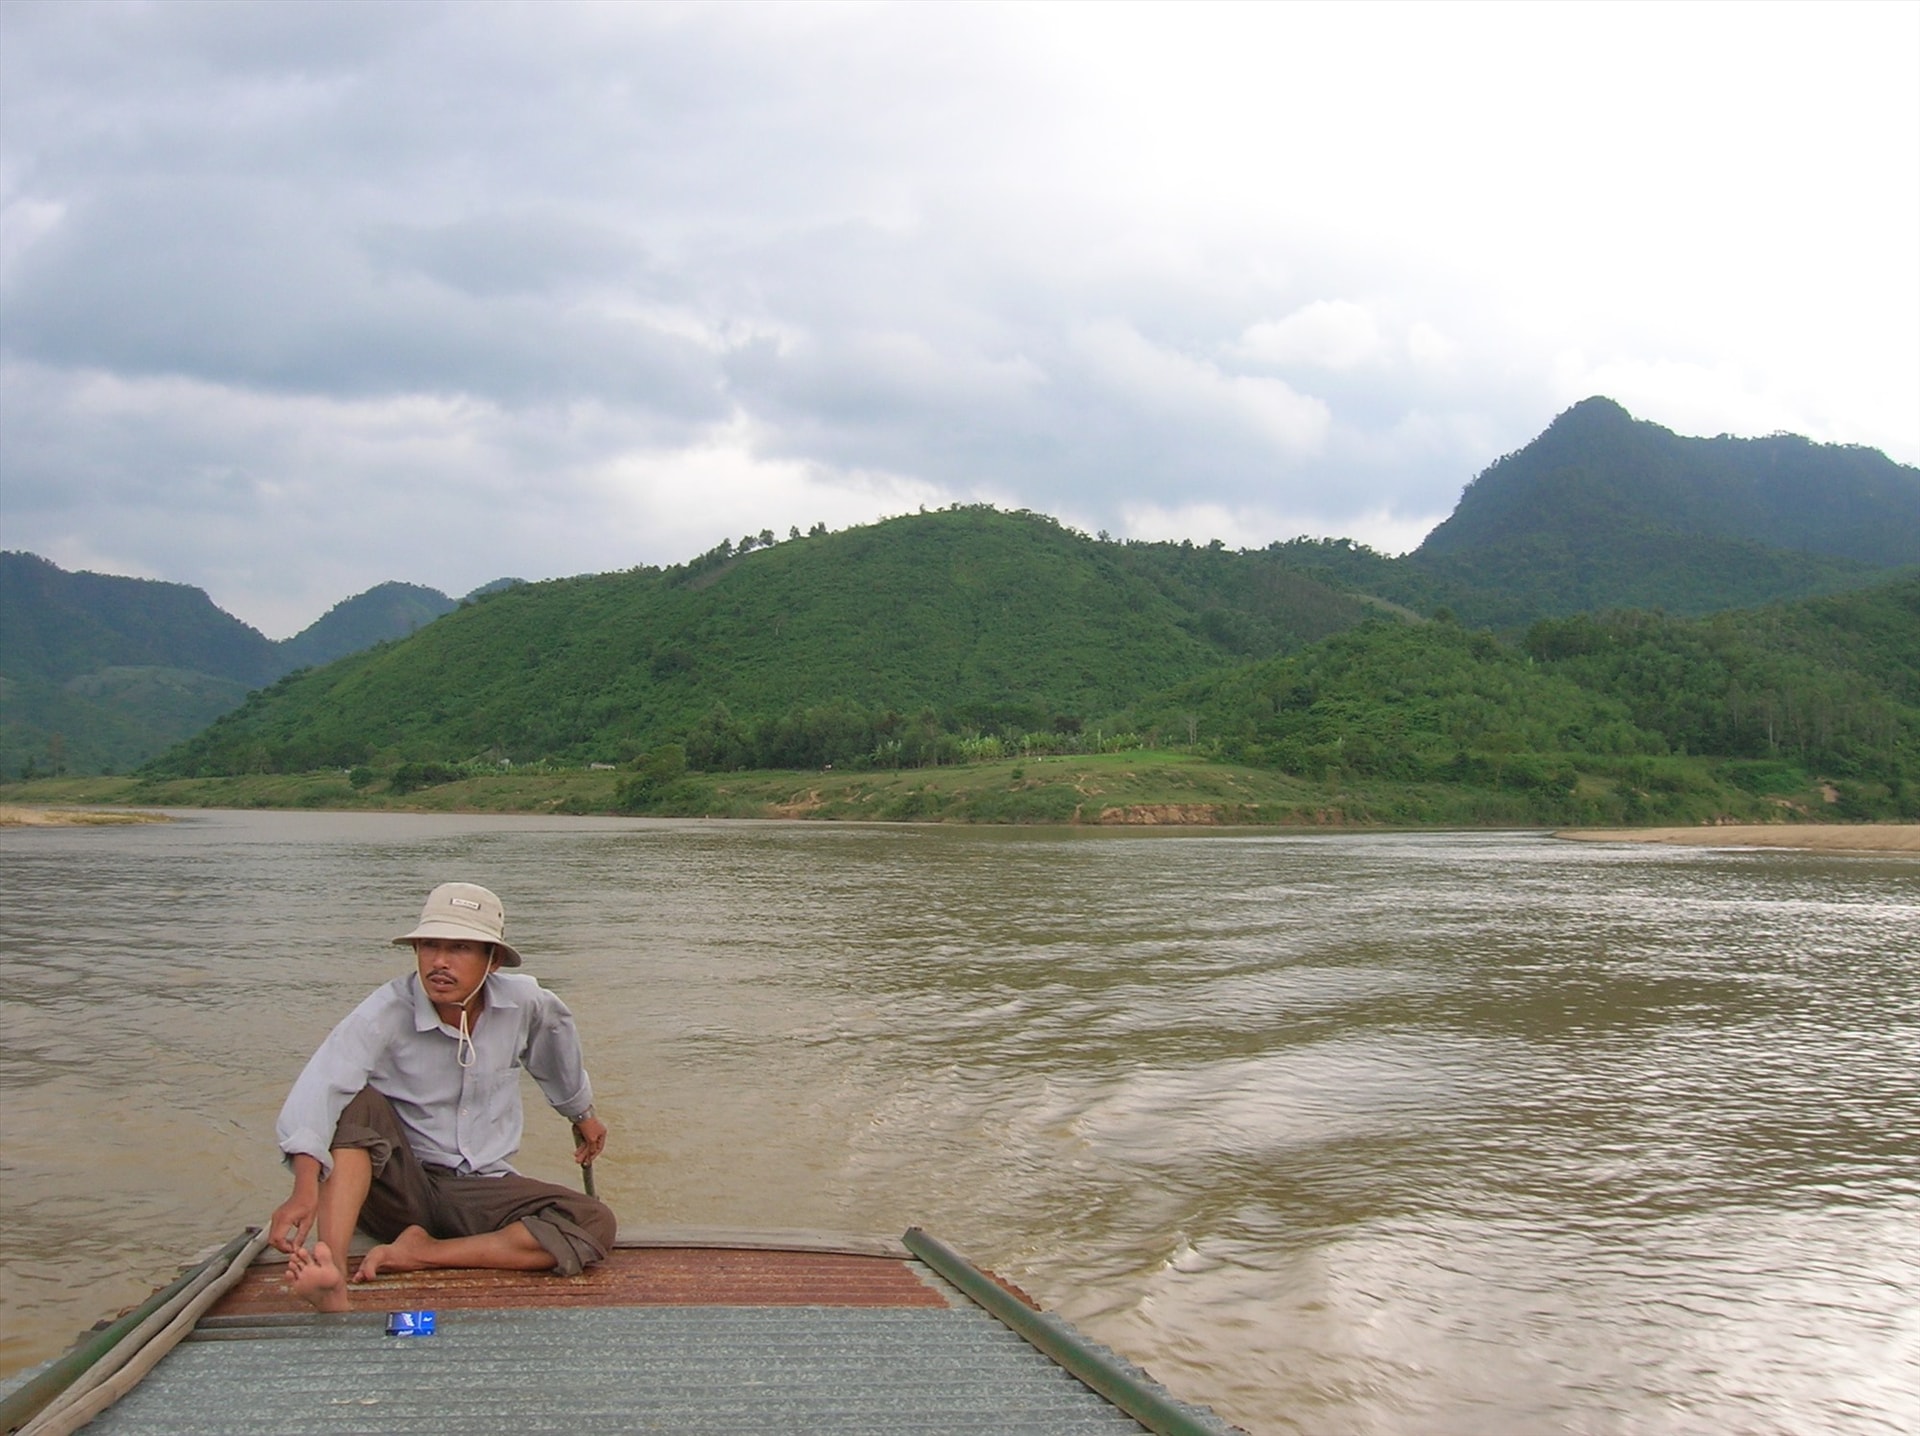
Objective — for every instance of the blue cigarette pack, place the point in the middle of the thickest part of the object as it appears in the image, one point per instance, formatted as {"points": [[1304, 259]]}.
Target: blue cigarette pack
{"points": [[409, 1323]]}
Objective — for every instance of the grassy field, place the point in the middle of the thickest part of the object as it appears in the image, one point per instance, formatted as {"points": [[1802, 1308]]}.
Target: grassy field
{"points": [[1127, 788], [1149, 787]]}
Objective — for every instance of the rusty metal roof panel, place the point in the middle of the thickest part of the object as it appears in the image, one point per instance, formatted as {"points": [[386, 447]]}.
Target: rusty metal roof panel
{"points": [[643, 1276], [687, 1369]]}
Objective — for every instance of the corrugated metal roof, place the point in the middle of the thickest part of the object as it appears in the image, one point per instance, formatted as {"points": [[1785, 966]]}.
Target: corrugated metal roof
{"points": [[791, 1332], [694, 1370]]}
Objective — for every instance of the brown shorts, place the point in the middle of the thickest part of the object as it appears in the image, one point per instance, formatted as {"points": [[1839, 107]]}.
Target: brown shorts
{"points": [[576, 1229]]}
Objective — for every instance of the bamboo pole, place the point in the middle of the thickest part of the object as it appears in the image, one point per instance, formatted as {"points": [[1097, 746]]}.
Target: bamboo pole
{"points": [[96, 1390], [23, 1404], [1125, 1385]]}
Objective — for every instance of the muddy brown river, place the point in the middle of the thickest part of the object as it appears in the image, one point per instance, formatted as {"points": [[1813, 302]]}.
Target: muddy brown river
{"points": [[1435, 1133]]}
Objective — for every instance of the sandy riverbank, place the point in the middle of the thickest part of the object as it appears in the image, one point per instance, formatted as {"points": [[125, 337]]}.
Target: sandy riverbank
{"points": [[1833, 837], [14, 816]]}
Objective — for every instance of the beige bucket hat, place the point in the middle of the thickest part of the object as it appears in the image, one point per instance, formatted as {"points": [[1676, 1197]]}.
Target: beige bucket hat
{"points": [[464, 912]]}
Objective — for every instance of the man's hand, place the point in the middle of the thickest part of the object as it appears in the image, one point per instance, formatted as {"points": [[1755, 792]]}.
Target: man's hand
{"points": [[590, 1138], [293, 1218]]}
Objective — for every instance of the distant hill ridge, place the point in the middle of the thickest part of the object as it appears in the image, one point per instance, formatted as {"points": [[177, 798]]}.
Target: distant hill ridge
{"points": [[979, 616], [1784, 491], [384, 612], [1605, 511], [118, 668], [55, 624]]}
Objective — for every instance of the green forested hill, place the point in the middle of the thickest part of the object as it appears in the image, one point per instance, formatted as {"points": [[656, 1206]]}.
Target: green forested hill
{"points": [[966, 634], [909, 639], [1509, 584], [1607, 511], [107, 721], [55, 625], [1582, 713], [1395, 701], [386, 611], [99, 673], [1832, 683], [1596, 461], [815, 649]]}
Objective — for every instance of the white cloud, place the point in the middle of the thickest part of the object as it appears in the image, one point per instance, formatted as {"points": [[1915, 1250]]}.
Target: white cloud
{"points": [[1202, 522], [1429, 348], [1179, 385], [24, 222], [283, 288], [1256, 527], [1326, 334], [1726, 396], [679, 502]]}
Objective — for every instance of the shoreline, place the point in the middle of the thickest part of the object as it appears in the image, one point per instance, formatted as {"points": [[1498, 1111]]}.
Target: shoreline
{"points": [[1816, 837], [1813, 837]]}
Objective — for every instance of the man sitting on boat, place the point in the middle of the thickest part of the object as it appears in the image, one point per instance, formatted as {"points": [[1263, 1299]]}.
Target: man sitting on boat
{"points": [[403, 1121]]}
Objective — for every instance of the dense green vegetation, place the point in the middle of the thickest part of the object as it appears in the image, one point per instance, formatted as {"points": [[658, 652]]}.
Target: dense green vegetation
{"points": [[895, 642], [1587, 713], [386, 611], [96, 671], [1141, 786], [104, 721], [1607, 511], [99, 673], [1596, 463], [741, 665], [55, 625], [1832, 684]]}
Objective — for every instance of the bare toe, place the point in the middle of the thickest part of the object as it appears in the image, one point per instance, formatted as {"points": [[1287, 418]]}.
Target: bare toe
{"points": [[316, 1280]]}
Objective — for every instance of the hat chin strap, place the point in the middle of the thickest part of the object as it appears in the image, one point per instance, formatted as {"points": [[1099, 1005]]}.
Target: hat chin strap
{"points": [[465, 1051]]}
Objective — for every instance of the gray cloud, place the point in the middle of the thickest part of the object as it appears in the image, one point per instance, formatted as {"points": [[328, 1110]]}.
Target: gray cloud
{"points": [[287, 289]]}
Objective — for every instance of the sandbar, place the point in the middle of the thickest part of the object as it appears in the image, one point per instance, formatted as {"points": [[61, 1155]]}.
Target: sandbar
{"points": [[14, 816], [1823, 837]]}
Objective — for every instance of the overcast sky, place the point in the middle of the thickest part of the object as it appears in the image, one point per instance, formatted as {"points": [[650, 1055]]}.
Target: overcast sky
{"points": [[296, 298]]}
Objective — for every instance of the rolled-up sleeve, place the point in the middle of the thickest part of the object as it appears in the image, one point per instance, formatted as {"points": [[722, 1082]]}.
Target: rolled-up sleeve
{"points": [[335, 1072]]}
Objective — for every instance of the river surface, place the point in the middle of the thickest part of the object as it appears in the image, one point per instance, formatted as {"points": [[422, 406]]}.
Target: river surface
{"points": [[1449, 1133]]}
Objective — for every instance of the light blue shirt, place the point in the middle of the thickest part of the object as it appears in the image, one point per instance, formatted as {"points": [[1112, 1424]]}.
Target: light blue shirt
{"points": [[467, 1118]]}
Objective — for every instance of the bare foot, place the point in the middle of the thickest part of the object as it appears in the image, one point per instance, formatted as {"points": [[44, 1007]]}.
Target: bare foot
{"points": [[313, 1277], [406, 1252]]}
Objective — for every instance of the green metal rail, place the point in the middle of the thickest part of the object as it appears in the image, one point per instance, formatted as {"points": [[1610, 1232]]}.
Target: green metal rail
{"points": [[1119, 1381]]}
